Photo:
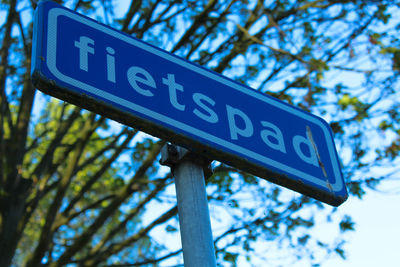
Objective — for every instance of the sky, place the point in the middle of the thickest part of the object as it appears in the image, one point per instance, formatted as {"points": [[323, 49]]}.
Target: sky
{"points": [[375, 242]]}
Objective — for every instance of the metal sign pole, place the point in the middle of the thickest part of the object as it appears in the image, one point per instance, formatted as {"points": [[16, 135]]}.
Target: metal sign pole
{"points": [[194, 218]]}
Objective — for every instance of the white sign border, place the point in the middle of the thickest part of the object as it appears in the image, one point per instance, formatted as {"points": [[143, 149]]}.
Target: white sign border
{"points": [[54, 13]]}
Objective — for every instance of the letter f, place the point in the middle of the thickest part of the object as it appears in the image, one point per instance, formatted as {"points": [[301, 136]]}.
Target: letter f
{"points": [[84, 50]]}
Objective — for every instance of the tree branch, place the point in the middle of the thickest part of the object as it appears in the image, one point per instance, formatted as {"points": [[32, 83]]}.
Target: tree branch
{"points": [[198, 22], [147, 261], [133, 186], [146, 17], [133, 9], [110, 146], [241, 42], [61, 131], [117, 247], [4, 105], [210, 29], [104, 167], [46, 235], [63, 220], [159, 186]]}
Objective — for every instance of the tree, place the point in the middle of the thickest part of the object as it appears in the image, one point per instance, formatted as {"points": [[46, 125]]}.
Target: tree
{"points": [[76, 188]]}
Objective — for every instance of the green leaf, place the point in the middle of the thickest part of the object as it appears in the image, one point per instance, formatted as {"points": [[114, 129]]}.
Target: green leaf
{"points": [[303, 240], [341, 253], [356, 189], [171, 228], [231, 257], [346, 224]]}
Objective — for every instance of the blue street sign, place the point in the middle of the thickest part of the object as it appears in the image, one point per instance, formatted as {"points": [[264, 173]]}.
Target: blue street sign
{"points": [[104, 70]]}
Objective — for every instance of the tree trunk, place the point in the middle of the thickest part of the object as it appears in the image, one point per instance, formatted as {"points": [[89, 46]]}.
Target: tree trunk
{"points": [[12, 210]]}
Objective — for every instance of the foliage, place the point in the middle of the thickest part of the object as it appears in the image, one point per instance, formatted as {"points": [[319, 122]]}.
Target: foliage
{"points": [[78, 189]]}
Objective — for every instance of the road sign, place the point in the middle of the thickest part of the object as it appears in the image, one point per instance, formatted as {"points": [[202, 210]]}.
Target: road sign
{"points": [[104, 70]]}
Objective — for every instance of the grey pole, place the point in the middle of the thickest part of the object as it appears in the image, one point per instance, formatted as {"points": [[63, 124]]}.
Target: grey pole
{"points": [[194, 218]]}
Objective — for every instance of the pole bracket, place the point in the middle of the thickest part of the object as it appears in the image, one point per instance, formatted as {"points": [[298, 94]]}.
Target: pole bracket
{"points": [[171, 155]]}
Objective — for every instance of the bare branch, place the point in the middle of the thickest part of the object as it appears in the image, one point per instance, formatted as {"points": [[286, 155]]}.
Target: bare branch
{"points": [[210, 29], [139, 30], [198, 22], [133, 9]]}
